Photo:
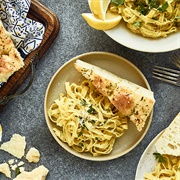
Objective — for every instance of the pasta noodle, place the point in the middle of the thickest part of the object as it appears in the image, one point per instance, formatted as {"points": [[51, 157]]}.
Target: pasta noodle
{"points": [[168, 170], [150, 18], [86, 120]]}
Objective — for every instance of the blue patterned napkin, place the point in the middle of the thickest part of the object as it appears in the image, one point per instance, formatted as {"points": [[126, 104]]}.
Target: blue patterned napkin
{"points": [[27, 34]]}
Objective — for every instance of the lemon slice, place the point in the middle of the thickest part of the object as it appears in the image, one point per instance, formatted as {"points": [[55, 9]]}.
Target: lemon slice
{"points": [[110, 22], [99, 7]]}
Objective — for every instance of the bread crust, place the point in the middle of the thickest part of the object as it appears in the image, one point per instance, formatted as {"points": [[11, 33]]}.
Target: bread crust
{"points": [[169, 141], [130, 99], [10, 59]]}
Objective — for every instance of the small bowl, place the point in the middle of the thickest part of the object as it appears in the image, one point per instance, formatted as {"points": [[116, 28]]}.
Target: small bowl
{"points": [[115, 64]]}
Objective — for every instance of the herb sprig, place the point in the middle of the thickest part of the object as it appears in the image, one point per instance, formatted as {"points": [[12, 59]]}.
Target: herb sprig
{"points": [[91, 110], [143, 7], [17, 171], [163, 7], [83, 102], [118, 2], [159, 157]]}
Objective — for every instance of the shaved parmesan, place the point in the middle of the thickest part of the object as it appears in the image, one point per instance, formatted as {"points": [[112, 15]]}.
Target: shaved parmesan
{"points": [[33, 155], [38, 173], [16, 146], [4, 168]]}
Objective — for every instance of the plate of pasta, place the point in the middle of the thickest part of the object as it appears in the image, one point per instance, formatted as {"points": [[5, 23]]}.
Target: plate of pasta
{"points": [[82, 120], [161, 158], [149, 26], [153, 165], [147, 161]]}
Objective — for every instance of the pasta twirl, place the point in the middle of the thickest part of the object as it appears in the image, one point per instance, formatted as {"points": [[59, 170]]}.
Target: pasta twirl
{"points": [[150, 18], [86, 120], [168, 170]]}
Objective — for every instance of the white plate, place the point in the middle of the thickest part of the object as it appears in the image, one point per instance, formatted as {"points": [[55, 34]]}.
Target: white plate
{"points": [[124, 36], [147, 161], [115, 64]]}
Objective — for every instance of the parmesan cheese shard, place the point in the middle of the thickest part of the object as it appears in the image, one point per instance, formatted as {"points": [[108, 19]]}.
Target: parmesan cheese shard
{"points": [[33, 155], [16, 146], [38, 173], [129, 98], [11, 161], [169, 141], [4, 168], [10, 59]]}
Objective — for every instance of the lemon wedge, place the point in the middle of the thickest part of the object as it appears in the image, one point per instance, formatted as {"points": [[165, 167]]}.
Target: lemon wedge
{"points": [[110, 22], [99, 7]]}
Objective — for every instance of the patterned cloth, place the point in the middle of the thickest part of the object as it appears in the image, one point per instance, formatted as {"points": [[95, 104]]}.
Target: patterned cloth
{"points": [[27, 34]]}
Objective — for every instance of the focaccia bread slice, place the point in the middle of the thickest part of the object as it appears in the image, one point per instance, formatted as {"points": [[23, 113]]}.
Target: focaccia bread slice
{"points": [[39, 173], [10, 59], [169, 141], [130, 99]]}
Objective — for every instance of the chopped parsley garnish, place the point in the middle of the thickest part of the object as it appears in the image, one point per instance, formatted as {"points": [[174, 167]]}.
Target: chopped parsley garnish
{"points": [[154, 4], [80, 134], [143, 7], [118, 2], [17, 171], [81, 144], [163, 7], [105, 121], [84, 126], [92, 121], [91, 110], [83, 102], [179, 168], [159, 157], [137, 24], [177, 17]]}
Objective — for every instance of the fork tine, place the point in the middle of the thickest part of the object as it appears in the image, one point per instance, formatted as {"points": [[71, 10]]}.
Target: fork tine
{"points": [[165, 80], [176, 62], [165, 76], [166, 69], [166, 72]]}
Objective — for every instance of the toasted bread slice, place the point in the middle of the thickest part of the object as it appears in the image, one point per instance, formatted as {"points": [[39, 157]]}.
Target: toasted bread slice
{"points": [[169, 141], [10, 59], [130, 99]]}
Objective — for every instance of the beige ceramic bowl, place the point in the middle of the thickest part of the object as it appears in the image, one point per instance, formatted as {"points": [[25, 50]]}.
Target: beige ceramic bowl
{"points": [[115, 64]]}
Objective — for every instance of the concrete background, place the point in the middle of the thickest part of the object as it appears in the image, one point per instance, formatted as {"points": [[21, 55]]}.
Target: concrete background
{"points": [[25, 114]]}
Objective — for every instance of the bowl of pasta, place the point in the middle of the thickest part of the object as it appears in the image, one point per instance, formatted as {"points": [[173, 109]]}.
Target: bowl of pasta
{"points": [[148, 26], [161, 158], [82, 120]]}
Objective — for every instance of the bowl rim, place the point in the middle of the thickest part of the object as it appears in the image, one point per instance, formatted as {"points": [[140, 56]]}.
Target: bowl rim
{"points": [[122, 35]]}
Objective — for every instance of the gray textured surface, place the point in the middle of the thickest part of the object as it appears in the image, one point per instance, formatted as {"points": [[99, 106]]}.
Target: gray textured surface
{"points": [[25, 114]]}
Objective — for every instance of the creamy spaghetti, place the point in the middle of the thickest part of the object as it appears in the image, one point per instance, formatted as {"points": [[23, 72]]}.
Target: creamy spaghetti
{"points": [[169, 169], [149, 18], [86, 120]]}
